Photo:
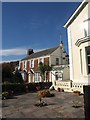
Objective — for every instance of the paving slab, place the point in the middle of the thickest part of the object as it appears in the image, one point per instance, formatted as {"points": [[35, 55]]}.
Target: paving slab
{"points": [[59, 106]]}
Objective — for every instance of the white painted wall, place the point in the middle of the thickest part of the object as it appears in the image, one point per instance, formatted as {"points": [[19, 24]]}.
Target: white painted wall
{"points": [[58, 53], [75, 32]]}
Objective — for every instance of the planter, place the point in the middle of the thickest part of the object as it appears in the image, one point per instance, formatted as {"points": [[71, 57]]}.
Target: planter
{"points": [[77, 93], [58, 89], [42, 104]]}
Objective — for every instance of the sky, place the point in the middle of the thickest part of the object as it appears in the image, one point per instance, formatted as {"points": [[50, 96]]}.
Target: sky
{"points": [[34, 25]]}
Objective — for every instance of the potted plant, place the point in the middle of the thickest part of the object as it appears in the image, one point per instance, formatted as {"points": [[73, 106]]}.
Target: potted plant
{"points": [[77, 92], [58, 89], [76, 104]]}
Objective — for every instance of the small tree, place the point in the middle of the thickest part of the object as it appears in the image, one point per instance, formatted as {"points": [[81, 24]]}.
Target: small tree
{"points": [[18, 77], [44, 68]]}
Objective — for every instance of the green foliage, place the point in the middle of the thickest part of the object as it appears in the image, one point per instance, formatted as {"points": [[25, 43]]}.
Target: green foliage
{"points": [[15, 87], [44, 68], [5, 95], [7, 71], [18, 77]]}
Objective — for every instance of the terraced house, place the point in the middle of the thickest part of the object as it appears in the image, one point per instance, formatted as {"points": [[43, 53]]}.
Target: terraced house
{"points": [[29, 65]]}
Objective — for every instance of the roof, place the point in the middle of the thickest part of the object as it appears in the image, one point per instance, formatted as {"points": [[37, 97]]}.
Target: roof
{"points": [[76, 13], [40, 53]]}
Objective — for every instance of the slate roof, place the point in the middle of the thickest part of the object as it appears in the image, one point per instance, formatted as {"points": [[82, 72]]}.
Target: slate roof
{"points": [[40, 53]]}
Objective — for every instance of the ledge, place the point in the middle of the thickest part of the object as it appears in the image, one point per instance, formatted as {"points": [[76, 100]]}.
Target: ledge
{"points": [[82, 40]]}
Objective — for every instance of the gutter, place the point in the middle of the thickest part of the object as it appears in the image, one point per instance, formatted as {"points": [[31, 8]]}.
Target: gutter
{"points": [[76, 13]]}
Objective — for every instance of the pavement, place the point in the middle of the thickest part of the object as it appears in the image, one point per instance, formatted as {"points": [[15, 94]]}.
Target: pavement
{"points": [[59, 106]]}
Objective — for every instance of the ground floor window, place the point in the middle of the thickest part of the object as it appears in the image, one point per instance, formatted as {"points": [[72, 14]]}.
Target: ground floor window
{"points": [[88, 59], [81, 60], [58, 76], [37, 77]]}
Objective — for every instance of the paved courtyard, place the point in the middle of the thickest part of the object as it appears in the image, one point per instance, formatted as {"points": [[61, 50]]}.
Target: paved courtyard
{"points": [[60, 106]]}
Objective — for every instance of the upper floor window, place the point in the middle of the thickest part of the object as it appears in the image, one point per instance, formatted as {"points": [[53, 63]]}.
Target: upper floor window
{"points": [[40, 60], [24, 64], [88, 59], [87, 27], [57, 61], [32, 63]]}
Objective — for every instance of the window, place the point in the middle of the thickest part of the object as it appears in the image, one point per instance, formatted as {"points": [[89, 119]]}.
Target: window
{"points": [[57, 61], [87, 27], [88, 59], [32, 63], [40, 60], [81, 59], [37, 77], [24, 64], [58, 76]]}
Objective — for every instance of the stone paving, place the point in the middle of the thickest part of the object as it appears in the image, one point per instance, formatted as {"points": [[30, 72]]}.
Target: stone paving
{"points": [[60, 106]]}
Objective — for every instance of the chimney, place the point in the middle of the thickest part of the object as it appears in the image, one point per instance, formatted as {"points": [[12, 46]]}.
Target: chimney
{"points": [[29, 51]]}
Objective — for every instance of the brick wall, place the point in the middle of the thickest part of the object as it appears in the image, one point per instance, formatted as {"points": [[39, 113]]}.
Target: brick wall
{"points": [[46, 60], [35, 65], [21, 66], [28, 66]]}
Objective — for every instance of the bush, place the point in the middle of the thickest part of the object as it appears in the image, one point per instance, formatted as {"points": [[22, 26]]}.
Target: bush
{"points": [[45, 93], [15, 87], [5, 95], [77, 92], [40, 86]]}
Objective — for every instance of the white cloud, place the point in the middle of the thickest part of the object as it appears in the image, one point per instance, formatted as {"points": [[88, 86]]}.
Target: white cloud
{"points": [[7, 61], [14, 51]]}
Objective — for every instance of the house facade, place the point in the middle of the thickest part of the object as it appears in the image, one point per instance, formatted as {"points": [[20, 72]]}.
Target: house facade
{"points": [[78, 28], [29, 65]]}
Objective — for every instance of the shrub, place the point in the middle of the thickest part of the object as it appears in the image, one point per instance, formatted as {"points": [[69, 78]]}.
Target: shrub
{"points": [[77, 92], [15, 87], [45, 93], [5, 95], [39, 86]]}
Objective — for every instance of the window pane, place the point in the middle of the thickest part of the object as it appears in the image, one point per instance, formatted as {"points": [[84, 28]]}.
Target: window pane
{"points": [[81, 58], [88, 69], [57, 61], [88, 59], [87, 27]]}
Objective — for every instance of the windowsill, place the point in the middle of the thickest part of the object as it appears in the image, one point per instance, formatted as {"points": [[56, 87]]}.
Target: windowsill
{"points": [[82, 40]]}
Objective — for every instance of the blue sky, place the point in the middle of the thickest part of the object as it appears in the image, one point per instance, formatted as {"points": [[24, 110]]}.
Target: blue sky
{"points": [[33, 25]]}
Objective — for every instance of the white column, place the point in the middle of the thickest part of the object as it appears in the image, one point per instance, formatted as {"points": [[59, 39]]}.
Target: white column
{"points": [[70, 53]]}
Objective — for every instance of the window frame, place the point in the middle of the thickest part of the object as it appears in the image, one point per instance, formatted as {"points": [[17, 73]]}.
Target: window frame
{"points": [[32, 63], [87, 64], [57, 61]]}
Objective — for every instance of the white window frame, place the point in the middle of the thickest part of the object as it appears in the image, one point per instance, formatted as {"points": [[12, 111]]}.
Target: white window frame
{"points": [[42, 60], [37, 77], [56, 61], [81, 61], [88, 64], [32, 63]]}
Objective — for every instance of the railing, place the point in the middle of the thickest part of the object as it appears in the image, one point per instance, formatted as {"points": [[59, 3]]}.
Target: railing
{"points": [[63, 84], [78, 86], [69, 85]]}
